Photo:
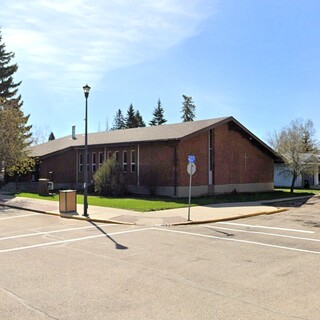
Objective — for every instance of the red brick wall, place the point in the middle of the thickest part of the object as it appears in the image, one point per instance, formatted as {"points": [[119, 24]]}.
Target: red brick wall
{"points": [[230, 148], [197, 146], [157, 162], [157, 165], [62, 166]]}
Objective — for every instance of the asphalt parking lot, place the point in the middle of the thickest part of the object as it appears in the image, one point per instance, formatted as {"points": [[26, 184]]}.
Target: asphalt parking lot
{"points": [[264, 267]]}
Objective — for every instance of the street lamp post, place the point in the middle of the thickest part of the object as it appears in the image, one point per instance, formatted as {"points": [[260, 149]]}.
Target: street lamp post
{"points": [[86, 90]]}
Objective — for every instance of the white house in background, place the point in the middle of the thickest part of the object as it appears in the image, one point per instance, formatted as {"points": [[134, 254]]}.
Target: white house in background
{"points": [[282, 178]]}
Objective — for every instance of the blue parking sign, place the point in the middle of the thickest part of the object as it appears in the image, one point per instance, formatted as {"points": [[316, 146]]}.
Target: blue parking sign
{"points": [[191, 159]]}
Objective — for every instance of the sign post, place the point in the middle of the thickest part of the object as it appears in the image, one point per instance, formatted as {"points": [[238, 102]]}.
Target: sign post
{"points": [[191, 169]]}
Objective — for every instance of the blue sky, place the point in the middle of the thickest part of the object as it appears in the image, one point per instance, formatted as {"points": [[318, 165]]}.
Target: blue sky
{"points": [[256, 60]]}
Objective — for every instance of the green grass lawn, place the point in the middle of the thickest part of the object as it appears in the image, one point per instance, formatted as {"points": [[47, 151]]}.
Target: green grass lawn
{"points": [[145, 204]]}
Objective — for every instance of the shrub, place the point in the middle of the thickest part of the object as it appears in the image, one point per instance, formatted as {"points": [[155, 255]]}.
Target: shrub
{"points": [[109, 179]]}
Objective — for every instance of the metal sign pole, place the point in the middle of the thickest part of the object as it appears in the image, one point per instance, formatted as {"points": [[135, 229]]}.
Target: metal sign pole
{"points": [[191, 169], [190, 183]]}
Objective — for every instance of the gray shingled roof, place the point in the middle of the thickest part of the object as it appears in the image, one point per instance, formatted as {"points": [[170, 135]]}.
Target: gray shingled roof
{"points": [[166, 132]]}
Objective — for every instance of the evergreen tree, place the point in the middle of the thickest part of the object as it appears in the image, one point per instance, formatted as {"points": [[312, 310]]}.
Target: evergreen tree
{"points": [[131, 120], [109, 180], [51, 137], [139, 120], [119, 121], [158, 116], [14, 131], [188, 109], [8, 88]]}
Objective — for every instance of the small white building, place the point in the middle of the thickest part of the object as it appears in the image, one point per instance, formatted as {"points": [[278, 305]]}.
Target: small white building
{"points": [[283, 178]]}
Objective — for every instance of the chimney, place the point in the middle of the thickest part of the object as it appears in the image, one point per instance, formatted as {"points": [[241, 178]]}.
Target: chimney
{"points": [[74, 132]]}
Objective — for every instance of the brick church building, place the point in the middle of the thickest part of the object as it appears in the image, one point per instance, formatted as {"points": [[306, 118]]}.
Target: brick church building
{"points": [[154, 159]]}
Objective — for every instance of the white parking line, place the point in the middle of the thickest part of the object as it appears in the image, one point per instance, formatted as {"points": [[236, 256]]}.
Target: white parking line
{"points": [[263, 233], [240, 241], [69, 240], [50, 232], [21, 216], [265, 227]]}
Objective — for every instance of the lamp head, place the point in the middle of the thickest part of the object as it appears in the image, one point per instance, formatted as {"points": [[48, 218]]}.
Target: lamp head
{"points": [[86, 90]]}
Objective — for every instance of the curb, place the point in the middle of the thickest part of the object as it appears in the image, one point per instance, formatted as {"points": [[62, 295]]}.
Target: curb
{"points": [[66, 216], [227, 219], [90, 219], [267, 202]]}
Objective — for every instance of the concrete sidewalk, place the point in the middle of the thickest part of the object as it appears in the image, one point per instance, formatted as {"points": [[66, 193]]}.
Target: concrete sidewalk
{"points": [[198, 214]]}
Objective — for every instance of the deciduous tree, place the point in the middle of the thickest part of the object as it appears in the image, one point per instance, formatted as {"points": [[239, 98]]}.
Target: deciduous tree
{"points": [[14, 139], [298, 148], [14, 129]]}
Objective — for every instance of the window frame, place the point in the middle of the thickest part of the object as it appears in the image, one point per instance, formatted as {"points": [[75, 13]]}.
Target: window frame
{"points": [[125, 161], [133, 160], [93, 162]]}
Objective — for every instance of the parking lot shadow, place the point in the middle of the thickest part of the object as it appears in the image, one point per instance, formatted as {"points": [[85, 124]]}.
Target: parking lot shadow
{"points": [[118, 245]]}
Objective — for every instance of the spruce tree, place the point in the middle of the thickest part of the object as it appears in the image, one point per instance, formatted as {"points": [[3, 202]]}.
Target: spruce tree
{"points": [[139, 120], [188, 109], [131, 120], [158, 116], [51, 137], [8, 88], [119, 121]]}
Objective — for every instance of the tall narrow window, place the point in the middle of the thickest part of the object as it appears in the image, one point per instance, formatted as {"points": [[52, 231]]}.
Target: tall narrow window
{"points": [[109, 154], [133, 161], [117, 155], [211, 155], [124, 161], [210, 150], [94, 167], [80, 162], [100, 159]]}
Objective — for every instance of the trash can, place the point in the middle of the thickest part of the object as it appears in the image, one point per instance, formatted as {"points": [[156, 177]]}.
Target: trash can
{"points": [[43, 187], [67, 201]]}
